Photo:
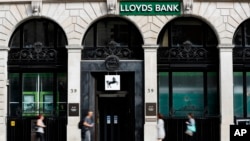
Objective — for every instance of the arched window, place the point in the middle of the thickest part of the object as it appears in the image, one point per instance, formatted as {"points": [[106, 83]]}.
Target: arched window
{"points": [[187, 29], [242, 35], [241, 59], [188, 76], [113, 32], [107, 30], [188, 69], [42, 31], [37, 69]]}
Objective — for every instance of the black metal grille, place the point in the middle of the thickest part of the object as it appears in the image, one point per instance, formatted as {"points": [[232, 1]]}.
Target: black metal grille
{"points": [[241, 55], [187, 55], [208, 129], [22, 130], [124, 53], [37, 54]]}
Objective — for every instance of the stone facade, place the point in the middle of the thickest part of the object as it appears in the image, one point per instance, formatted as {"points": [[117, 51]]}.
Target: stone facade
{"points": [[77, 16]]}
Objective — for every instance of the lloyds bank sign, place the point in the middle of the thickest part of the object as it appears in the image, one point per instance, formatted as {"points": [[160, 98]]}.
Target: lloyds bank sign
{"points": [[150, 8]]}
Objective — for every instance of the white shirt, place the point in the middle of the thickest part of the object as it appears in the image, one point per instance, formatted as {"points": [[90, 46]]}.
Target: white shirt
{"points": [[161, 129], [40, 129]]}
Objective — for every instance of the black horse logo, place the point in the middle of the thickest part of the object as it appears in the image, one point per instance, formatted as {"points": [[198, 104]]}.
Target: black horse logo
{"points": [[113, 81]]}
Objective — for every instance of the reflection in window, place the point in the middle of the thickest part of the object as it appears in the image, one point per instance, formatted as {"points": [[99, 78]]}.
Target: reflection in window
{"points": [[14, 94], [184, 92], [212, 94], [164, 93], [38, 94], [188, 93], [238, 94], [181, 30], [123, 33], [242, 35], [248, 94], [38, 30]]}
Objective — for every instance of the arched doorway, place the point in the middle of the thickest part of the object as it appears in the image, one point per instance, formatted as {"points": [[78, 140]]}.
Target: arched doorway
{"points": [[241, 60], [188, 78], [37, 72], [113, 47]]}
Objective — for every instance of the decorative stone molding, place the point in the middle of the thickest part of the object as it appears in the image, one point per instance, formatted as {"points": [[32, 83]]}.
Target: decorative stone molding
{"points": [[187, 6], [36, 6], [111, 5]]}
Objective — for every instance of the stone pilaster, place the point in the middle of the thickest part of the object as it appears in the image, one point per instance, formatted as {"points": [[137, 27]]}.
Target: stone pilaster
{"points": [[150, 90], [3, 92], [226, 90], [74, 59]]}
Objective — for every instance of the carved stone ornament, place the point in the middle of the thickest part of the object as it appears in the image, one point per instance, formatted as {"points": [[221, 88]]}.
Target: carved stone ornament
{"points": [[111, 5], [112, 62], [36, 6], [187, 6]]}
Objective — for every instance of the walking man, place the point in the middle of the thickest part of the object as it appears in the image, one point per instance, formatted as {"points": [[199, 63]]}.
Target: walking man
{"points": [[88, 124]]}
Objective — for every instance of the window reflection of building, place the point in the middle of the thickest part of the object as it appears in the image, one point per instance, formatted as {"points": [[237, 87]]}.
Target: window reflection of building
{"points": [[183, 29], [38, 46], [184, 84], [241, 73], [112, 29]]}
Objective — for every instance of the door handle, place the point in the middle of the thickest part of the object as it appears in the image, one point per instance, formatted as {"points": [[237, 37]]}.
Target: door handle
{"points": [[115, 119]]}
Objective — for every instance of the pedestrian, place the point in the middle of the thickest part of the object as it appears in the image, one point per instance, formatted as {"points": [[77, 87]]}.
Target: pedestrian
{"points": [[88, 124], [161, 128], [191, 127], [40, 128]]}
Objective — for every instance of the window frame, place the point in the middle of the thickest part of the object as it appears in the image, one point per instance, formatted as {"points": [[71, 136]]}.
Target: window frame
{"points": [[205, 91]]}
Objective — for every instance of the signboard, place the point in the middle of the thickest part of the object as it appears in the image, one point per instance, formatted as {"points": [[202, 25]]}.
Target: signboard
{"points": [[150, 8], [112, 62], [112, 82], [12, 123], [73, 109], [150, 109]]}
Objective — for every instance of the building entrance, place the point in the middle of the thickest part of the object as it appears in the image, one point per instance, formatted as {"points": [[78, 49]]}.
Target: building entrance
{"points": [[118, 112], [114, 117]]}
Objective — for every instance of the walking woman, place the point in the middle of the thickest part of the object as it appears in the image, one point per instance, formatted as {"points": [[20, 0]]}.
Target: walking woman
{"points": [[191, 127], [40, 128], [161, 128]]}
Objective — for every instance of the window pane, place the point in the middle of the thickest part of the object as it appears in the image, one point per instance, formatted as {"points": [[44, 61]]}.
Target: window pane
{"points": [[117, 31], [238, 94], [183, 31], [46, 93], [237, 40], [32, 33], [15, 96], [37, 91], [164, 93], [247, 34], [114, 30], [188, 93], [248, 94], [16, 40], [212, 94], [30, 92], [62, 94]]}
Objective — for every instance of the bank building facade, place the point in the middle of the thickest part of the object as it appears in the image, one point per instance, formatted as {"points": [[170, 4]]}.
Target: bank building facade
{"points": [[127, 61]]}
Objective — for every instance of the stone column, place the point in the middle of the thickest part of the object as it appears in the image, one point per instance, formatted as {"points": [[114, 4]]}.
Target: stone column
{"points": [[150, 90], [74, 59], [226, 90], [3, 92]]}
